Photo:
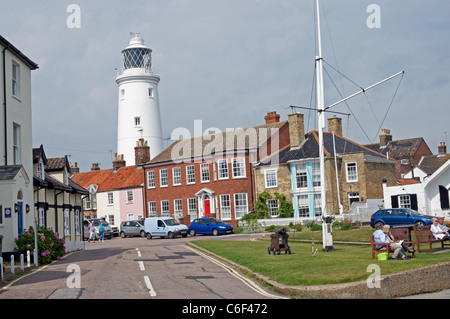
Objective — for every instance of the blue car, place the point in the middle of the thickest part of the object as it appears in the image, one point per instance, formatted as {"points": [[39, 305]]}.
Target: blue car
{"points": [[399, 216], [209, 225]]}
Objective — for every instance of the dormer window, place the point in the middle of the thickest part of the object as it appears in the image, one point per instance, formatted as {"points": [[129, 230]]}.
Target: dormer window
{"points": [[40, 170], [66, 176]]}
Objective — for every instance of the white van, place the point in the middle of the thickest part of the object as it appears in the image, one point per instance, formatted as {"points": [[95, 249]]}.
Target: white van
{"points": [[164, 226]]}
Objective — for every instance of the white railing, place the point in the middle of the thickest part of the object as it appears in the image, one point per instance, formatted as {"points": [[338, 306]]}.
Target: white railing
{"points": [[151, 71]]}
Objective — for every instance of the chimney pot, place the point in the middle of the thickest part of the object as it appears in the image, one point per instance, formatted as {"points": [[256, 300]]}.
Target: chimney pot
{"points": [[141, 152], [272, 117]]}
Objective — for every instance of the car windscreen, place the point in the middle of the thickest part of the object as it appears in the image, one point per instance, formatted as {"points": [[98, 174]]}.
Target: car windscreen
{"points": [[215, 220], [171, 222], [413, 212]]}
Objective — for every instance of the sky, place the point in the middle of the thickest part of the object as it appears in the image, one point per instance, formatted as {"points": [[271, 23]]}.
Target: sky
{"points": [[229, 62]]}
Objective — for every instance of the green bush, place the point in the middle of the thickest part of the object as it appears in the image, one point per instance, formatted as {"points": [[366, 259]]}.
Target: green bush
{"points": [[50, 246]]}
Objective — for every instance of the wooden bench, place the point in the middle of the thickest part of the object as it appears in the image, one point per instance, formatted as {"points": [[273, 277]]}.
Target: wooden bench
{"points": [[398, 234], [425, 236]]}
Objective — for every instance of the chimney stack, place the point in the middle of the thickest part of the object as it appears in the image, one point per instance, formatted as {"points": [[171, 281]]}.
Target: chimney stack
{"points": [[272, 117], [385, 137], [75, 169], [141, 152], [296, 129], [95, 167], [335, 125], [118, 162], [442, 148]]}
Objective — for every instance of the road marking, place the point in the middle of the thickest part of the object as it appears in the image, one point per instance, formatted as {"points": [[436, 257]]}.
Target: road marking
{"points": [[141, 265], [233, 272], [149, 286]]}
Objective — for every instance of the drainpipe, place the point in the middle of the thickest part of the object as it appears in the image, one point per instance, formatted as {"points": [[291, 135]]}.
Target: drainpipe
{"points": [[4, 103]]}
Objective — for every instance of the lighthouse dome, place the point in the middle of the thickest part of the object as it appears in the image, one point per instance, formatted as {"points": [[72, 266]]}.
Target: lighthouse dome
{"points": [[137, 55]]}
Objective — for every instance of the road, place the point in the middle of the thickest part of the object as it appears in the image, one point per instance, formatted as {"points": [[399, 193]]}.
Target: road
{"points": [[137, 268]]}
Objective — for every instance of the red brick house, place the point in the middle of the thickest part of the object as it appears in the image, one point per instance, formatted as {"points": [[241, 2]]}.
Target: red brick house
{"points": [[211, 174]]}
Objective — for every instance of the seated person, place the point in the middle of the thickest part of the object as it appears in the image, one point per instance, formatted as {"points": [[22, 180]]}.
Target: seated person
{"points": [[437, 232], [383, 235], [442, 224]]}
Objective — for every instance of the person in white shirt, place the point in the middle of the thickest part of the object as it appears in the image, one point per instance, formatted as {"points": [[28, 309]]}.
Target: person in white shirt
{"points": [[438, 233], [383, 235]]}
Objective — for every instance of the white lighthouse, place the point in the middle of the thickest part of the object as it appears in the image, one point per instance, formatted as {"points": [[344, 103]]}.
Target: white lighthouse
{"points": [[139, 115]]}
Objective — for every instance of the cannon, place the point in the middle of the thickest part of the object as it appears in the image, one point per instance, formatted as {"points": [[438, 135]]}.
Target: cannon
{"points": [[275, 245]]}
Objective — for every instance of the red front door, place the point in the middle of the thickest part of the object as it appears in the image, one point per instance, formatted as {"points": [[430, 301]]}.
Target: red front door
{"points": [[207, 207]]}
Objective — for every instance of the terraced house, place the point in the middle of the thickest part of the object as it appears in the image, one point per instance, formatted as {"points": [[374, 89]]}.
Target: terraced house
{"points": [[211, 174], [353, 173]]}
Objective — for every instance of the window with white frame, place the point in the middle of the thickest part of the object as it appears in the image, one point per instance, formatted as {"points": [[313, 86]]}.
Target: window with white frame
{"points": [[77, 222], [137, 121], [222, 167], [41, 217], [315, 174], [301, 176], [303, 206], [150, 179], [225, 207], [110, 198], [204, 172], [152, 209], [317, 205], [178, 208], [190, 174], [87, 203], [111, 219], [272, 207], [404, 201], [15, 80], [66, 222], [192, 208], [16, 145], [352, 197], [352, 172], [240, 205], [130, 197], [270, 178], [165, 210], [176, 175], [130, 216], [163, 178], [150, 92], [238, 164], [41, 169]]}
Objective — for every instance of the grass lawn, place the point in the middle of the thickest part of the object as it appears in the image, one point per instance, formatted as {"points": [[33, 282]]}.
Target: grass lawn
{"points": [[347, 263]]}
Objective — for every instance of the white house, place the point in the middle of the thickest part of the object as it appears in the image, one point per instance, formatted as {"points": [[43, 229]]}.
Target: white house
{"points": [[16, 164], [430, 197]]}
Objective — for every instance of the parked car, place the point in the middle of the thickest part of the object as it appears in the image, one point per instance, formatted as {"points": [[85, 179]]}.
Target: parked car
{"points": [[164, 226], [209, 225], [399, 216], [108, 229], [131, 228]]}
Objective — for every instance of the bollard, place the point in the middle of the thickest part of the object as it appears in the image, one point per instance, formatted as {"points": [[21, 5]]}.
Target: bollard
{"points": [[12, 264], [28, 259], [1, 268], [22, 268]]}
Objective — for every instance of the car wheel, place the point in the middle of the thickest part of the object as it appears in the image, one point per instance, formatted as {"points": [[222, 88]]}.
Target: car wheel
{"points": [[215, 232], [419, 223], [192, 233], [170, 235], [149, 236], [122, 235], [142, 233]]}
